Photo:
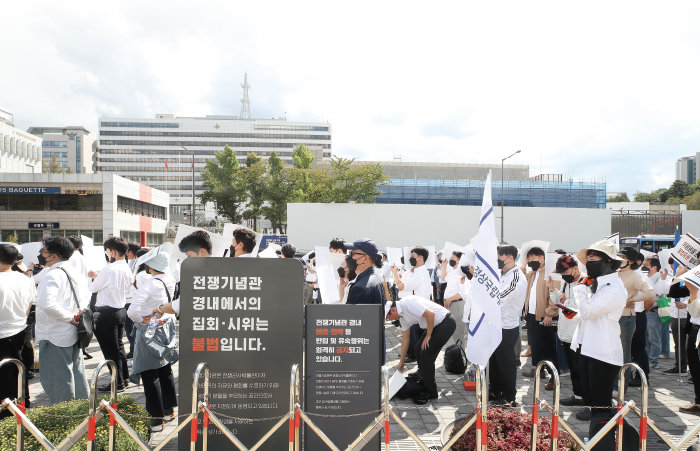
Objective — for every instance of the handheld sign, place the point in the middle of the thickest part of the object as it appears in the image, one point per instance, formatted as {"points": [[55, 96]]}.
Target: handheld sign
{"points": [[687, 251], [244, 318]]}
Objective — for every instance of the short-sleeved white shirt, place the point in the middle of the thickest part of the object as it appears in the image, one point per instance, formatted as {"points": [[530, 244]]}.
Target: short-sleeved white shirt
{"points": [[411, 309]]}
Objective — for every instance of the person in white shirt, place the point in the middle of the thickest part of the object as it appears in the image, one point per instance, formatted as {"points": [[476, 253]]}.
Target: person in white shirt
{"points": [[16, 296], [58, 308], [679, 316], [502, 364], [243, 243], [453, 300], [437, 326], [156, 375], [112, 285], [601, 297], [419, 282], [657, 281]]}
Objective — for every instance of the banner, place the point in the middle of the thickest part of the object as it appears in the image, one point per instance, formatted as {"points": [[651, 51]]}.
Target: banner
{"points": [[687, 251], [485, 324], [615, 240]]}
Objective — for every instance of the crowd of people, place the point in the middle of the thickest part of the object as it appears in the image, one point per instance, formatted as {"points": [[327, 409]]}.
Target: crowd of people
{"points": [[596, 310]]}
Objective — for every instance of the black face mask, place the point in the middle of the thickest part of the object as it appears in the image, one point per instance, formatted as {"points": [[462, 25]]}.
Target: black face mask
{"points": [[567, 278], [501, 264], [645, 268], [341, 272], [534, 265], [412, 261], [453, 263], [467, 273], [351, 263], [598, 268]]}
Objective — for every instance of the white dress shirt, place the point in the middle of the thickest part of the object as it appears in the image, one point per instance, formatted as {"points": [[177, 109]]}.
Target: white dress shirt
{"points": [[513, 292], [566, 326], [56, 306], [598, 332], [112, 284], [465, 289], [659, 286], [151, 295], [532, 305], [16, 295], [78, 262], [411, 311], [419, 283]]}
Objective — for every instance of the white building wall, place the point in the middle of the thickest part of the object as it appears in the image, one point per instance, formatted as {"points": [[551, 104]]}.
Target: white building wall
{"points": [[405, 225], [20, 152]]}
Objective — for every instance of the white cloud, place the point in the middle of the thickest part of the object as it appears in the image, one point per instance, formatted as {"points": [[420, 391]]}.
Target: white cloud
{"points": [[595, 90]]}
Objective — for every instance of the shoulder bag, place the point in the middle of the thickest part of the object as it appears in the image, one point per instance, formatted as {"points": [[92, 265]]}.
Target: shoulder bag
{"points": [[86, 323]]}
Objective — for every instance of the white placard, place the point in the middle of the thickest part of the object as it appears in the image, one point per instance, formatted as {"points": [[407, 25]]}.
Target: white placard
{"points": [[691, 276], [550, 265], [429, 263], [393, 255], [31, 251], [664, 255], [615, 240], [687, 251], [94, 257], [219, 244], [87, 241], [396, 381], [165, 247], [327, 284], [526, 246], [646, 254], [321, 255], [270, 251], [449, 248], [228, 234], [469, 255]]}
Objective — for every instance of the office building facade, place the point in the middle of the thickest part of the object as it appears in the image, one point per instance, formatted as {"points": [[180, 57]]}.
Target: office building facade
{"points": [[34, 206], [20, 152], [71, 147], [158, 152], [687, 169]]}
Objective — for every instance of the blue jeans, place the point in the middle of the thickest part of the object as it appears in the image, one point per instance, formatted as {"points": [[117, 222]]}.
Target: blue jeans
{"points": [[653, 337], [62, 372], [627, 326], [666, 339]]}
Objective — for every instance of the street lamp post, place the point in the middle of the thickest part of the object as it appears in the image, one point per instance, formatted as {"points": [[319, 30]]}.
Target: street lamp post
{"points": [[502, 196], [192, 215]]}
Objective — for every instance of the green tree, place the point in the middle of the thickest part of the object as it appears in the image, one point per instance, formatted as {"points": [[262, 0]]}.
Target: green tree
{"points": [[654, 196], [52, 167], [355, 182], [253, 178], [678, 190], [302, 157], [619, 198], [692, 201], [224, 186], [280, 189]]}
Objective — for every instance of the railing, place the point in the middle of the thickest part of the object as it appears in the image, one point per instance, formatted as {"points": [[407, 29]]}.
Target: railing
{"points": [[296, 415]]}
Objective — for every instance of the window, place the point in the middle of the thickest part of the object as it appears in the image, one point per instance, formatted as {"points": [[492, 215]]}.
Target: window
{"points": [[136, 207], [50, 202], [155, 239], [46, 154], [54, 144], [140, 124], [78, 155], [23, 236]]}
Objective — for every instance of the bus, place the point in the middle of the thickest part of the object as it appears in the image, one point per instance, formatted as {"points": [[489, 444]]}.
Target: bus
{"points": [[650, 243]]}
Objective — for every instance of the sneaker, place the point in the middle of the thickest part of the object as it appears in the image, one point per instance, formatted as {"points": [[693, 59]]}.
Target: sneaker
{"points": [[663, 356], [584, 414], [692, 408], [571, 401], [107, 387], [156, 425], [169, 416], [675, 371], [130, 355], [550, 384], [635, 382], [653, 364]]}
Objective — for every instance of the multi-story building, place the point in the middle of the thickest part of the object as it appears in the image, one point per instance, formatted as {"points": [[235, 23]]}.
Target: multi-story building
{"points": [[450, 171], [20, 152], [687, 169], [33, 206], [158, 152], [72, 147]]}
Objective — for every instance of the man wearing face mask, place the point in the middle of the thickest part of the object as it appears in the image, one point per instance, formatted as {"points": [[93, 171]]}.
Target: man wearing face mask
{"points": [[418, 280], [454, 302], [243, 243], [540, 312], [570, 273], [367, 287], [638, 293], [502, 364], [346, 276], [111, 286]]}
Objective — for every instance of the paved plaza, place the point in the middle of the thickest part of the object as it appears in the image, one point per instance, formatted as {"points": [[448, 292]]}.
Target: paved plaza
{"points": [[666, 394]]}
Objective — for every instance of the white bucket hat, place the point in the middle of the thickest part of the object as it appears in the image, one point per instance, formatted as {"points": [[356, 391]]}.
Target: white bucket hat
{"points": [[604, 246]]}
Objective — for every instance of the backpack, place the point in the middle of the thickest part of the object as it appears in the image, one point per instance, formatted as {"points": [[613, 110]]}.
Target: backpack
{"points": [[455, 360]]}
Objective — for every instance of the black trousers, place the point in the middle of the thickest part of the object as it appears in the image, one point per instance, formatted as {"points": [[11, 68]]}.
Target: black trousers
{"points": [[679, 342], [109, 331], [639, 343], [543, 341], [598, 378], [128, 328], [502, 367], [159, 388], [572, 359], [11, 348], [693, 360], [426, 357]]}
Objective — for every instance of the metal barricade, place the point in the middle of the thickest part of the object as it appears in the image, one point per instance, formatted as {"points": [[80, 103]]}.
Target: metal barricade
{"points": [[535, 405], [92, 421]]}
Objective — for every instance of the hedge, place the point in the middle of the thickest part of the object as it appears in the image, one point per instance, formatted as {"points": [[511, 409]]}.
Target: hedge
{"points": [[58, 420]]}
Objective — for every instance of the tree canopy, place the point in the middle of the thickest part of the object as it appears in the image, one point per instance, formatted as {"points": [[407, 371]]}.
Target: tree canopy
{"points": [[679, 192]]}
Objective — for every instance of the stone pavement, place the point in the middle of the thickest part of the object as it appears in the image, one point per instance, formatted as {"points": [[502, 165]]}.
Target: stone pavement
{"points": [[666, 394]]}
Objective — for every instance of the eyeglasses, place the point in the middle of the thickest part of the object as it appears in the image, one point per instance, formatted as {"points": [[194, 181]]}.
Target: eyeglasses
{"points": [[357, 253]]}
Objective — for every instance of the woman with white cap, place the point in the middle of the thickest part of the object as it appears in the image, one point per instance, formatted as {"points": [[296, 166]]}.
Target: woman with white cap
{"points": [[601, 297], [154, 368]]}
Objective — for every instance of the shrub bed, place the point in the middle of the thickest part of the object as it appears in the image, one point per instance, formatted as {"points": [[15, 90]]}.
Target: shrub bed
{"points": [[510, 430], [57, 421]]}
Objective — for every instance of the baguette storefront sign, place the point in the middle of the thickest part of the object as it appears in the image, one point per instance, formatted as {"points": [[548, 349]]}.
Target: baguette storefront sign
{"points": [[687, 251]]}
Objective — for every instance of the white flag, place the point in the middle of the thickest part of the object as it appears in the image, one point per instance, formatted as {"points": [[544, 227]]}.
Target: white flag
{"points": [[485, 321], [615, 240]]}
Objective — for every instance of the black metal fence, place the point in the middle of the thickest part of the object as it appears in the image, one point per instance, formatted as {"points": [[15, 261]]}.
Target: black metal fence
{"points": [[633, 223]]}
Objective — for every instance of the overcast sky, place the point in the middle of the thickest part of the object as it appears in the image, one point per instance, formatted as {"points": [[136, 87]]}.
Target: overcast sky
{"points": [[594, 90]]}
